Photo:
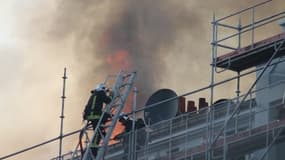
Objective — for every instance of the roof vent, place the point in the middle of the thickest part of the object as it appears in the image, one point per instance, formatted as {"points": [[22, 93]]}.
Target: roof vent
{"points": [[282, 23]]}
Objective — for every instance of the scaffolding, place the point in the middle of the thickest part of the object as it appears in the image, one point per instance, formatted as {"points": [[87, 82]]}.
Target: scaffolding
{"points": [[185, 136], [240, 59], [224, 130]]}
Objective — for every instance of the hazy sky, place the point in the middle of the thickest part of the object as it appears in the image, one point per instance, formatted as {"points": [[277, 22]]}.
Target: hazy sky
{"points": [[168, 42]]}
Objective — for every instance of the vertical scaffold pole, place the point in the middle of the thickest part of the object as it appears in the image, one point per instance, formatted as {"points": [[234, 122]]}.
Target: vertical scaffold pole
{"points": [[238, 86], [135, 92], [253, 26], [62, 114], [239, 32], [209, 118]]}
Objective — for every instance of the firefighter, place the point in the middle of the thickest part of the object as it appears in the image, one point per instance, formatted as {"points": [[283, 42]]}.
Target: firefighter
{"points": [[93, 112], [127, 122]]}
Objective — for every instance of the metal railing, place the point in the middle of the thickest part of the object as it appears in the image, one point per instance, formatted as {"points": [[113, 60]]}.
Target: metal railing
{"points": [[220, 43], [185, 136], [239, 30]]}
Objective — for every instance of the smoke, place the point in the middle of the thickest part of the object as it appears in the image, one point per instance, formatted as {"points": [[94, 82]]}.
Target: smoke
{"points": [[136, 35], [166, 41]]}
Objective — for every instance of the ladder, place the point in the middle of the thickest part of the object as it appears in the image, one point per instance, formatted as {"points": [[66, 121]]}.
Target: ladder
{"points": [[121, 90]]}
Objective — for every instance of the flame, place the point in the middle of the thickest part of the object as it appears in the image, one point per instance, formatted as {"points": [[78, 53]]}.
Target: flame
{"points": [[119, 128], [119, 60]]}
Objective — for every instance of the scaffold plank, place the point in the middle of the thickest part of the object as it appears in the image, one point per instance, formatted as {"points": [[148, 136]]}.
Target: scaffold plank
{"points": [[251, 55]]}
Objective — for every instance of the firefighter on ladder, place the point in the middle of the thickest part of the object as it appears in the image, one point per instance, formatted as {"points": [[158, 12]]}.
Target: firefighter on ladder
{"points": [[93, 112]]}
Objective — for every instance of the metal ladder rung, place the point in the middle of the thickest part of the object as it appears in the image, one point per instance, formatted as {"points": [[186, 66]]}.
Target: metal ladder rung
{"points": [[118, 102], [114, 105], [106, 126], [127, 75], [124, 85]]}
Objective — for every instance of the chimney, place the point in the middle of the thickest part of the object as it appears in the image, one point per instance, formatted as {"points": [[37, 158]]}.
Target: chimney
{"points": [[191, 106], [282, 23], [181, 104], [202, 103]]}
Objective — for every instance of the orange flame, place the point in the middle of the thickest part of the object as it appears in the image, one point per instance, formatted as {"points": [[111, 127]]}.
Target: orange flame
{"points": [[119, 60]]}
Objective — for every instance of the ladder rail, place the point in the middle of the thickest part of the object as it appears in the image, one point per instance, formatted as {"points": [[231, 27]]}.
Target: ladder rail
{"points": [[115, 94], [116, 117]]}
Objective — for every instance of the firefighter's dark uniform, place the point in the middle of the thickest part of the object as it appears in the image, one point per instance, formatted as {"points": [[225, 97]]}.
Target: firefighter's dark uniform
{"points": [[93, 113]]}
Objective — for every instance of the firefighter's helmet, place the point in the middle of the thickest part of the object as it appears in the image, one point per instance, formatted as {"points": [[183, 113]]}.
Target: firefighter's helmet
{"points": [[101, 87], [123, 117]]}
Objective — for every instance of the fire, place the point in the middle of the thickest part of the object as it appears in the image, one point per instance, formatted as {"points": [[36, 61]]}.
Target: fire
{"points": [[119, 128], [119, 60]]}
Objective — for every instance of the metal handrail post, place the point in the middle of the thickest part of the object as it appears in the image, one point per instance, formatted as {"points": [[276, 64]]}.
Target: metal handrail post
{"points": [[267, 135], [135, 91], [239, 32], [186, 137], [170, 138], [146, 154], [209, 120], [238, 99], [225, 132], [253, 26], [250, 114], [238, 86]]}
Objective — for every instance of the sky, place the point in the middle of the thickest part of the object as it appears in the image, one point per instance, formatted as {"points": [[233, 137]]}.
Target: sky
{"points": [[166, 41]]}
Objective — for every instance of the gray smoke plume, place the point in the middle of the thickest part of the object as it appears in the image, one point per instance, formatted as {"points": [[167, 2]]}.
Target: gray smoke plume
{"points": [[168, 42], [143, 35], [143, 29]]}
